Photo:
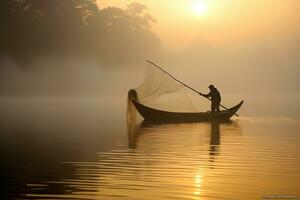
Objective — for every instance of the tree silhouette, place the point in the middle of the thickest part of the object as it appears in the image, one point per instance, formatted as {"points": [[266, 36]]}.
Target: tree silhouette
{"points": [[32, 28]]}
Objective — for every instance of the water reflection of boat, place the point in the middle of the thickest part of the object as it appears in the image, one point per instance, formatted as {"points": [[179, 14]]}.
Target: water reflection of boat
{"points": [[151, 114], [135, 130], [215, 141], [214, 138]]}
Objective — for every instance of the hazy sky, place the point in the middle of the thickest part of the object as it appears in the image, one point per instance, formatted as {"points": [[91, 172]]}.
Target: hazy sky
{"points": [[220, 22], [249, 49]]}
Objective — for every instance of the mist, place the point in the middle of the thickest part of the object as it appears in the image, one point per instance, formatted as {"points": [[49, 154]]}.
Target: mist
{"points": [[109, 57], [69, 77]]}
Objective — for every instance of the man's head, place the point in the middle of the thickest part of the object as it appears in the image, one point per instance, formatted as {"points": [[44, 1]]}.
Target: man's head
{"points": [[211, 87]]}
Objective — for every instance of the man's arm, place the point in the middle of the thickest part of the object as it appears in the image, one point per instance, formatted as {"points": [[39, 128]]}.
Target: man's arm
{"points": [[205, 95]]}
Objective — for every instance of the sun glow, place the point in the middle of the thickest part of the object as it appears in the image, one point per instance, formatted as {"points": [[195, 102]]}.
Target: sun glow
{"points": [[199, 8]]}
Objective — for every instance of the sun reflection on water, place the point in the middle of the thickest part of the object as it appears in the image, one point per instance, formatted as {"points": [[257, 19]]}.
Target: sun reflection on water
{"points": [[198, 181]]}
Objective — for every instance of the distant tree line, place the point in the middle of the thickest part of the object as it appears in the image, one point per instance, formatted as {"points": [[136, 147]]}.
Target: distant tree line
{"points": [[32, 28]]}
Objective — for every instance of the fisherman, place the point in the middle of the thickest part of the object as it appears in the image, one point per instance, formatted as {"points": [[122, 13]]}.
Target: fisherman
{"points": [[215, 98]]}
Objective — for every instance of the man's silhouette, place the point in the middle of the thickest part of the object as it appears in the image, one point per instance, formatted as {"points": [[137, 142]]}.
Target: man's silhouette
{"points": [[215, 98]]}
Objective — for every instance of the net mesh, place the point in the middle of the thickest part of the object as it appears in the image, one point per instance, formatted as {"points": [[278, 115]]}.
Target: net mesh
{"points": [[162, 92]]}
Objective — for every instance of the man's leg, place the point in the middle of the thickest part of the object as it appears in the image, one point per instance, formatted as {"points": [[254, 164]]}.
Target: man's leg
{"points": [[218, 106], [213, 106]]}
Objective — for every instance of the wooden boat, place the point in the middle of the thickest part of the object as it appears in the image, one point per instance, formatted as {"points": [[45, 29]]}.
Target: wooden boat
{"points": [[151, 114]]}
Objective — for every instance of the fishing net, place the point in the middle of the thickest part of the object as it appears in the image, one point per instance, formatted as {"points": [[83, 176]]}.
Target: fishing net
{"points": [[162, 92]]}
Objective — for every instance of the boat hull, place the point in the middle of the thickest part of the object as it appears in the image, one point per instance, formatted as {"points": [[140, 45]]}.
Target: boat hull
{"points": [[151, 114]]}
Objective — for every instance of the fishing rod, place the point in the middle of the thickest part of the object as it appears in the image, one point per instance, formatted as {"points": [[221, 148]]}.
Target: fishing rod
{"points": [[184, 83]]}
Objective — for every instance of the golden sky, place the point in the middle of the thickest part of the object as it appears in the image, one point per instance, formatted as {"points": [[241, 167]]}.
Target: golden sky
{"points": [[219, 22]]}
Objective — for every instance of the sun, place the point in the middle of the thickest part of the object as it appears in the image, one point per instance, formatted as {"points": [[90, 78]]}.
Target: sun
{"points": [[199, 8]]}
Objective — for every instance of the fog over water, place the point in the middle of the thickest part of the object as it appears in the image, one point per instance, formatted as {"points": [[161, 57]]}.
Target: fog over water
{"points": [[82, 149], [268, 85]]}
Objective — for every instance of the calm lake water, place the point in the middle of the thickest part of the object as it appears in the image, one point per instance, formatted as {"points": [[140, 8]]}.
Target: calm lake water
{"points": [[85, 149]]}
